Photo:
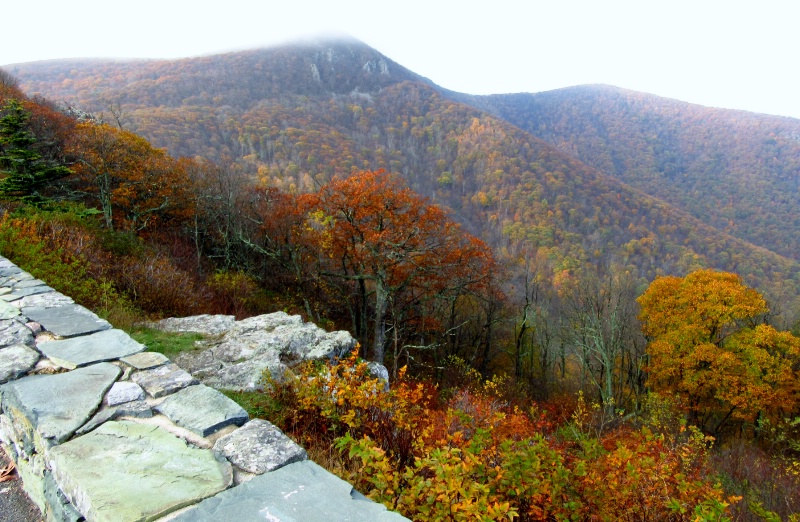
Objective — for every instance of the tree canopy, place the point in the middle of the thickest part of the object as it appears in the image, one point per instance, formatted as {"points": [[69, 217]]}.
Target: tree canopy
{"points": [[397, 247], [708, 343]]}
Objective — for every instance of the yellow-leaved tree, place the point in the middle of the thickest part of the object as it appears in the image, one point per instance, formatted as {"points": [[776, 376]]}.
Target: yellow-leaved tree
{"points": [[708, 343]]}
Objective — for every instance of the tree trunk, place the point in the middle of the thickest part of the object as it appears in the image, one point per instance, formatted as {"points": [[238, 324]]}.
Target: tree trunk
{"points": [[381, 302]]}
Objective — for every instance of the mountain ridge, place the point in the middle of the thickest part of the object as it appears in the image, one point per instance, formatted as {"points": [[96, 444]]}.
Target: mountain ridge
{"points": [[557, 191]]}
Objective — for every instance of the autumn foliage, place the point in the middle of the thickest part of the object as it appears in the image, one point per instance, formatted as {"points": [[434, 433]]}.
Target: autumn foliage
{"points": [[383, 254], [378, 231], [477, 457], [293, 222], [136, 186], [709, 345]]}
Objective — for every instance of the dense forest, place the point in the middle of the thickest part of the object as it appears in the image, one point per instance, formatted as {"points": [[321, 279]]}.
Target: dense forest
{"points": [[733, 170], [596, 177], [582, 313]]}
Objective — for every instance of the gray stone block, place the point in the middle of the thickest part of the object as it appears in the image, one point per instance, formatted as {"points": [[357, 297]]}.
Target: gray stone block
{"points": [[202, 410], [13, 332], [46, 300], [8, 311], [68, 320], [19, 293], [107, 345], [163, 380], [122, 392], [10, 271], [58, 507], [100, 418], [16, 361], [145, 360], [259, 447], [28, 283], [138, 409], [299, 492], [129, 471], [57, 405]]}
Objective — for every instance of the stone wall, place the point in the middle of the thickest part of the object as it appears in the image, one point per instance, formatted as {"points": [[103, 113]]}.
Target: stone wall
{"points": [[101, 429]]}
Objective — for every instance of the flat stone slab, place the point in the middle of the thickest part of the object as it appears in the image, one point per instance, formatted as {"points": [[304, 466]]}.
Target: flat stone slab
{"points": [[258, 447], [125, 471], [14, 332], [8, 311], [10, 271], [67, 321], [136, 409], [27, 283], [16, 361], [19, 293], [107, 345], [163, 380], [57, 405], [139, 409], [202, 410], [100, 418], [46, 300], [122, 392], [145, 360], [299, 492]]}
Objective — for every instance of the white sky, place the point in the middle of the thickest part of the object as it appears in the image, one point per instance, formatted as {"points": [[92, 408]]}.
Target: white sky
{"points": [[733, 54]]}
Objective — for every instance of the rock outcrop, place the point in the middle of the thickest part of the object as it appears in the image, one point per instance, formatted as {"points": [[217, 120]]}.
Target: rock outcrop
{"points": [[235, 354]]}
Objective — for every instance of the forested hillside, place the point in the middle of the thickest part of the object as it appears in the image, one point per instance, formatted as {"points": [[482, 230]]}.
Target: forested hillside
{"points": [[736, 171], [297, 116]]}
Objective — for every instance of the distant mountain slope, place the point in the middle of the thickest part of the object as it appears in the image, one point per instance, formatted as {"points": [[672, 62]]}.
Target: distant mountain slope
{"points": [[236, 79], [297, 115], [734, 170]]}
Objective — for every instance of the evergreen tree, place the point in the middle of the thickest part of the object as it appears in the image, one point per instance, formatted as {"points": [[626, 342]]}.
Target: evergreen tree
{"points": [[25, 172]]}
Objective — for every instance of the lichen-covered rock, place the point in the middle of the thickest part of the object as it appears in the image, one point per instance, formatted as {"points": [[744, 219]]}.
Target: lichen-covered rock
{"points": [[8, 311], [163, 380], [128, 471], [300, 491], [145, 360], [13, 332], [202, 410], [67, 320], [237, 358], [203, 324], [122, 392], [107, 345], [16, 361], [57, 405], [259, 447]]}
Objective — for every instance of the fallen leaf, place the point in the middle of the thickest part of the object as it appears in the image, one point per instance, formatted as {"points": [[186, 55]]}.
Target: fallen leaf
{"points": [[7, 473]]}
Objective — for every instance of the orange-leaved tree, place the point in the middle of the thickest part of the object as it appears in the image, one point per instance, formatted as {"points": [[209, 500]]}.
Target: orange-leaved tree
{"points": [[392, 243], [708, 343], [135, 184]]}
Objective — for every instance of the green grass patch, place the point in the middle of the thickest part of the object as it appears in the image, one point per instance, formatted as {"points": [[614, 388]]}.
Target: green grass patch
{"points": [[168, 343], [258, 405]]}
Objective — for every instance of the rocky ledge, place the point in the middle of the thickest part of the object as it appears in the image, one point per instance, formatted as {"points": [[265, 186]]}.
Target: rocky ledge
{"points": [[101, 429], [234, 354]]}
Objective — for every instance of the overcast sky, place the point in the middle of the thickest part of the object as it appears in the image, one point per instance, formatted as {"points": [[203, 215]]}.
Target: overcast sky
{"points": [[733, 54]]}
